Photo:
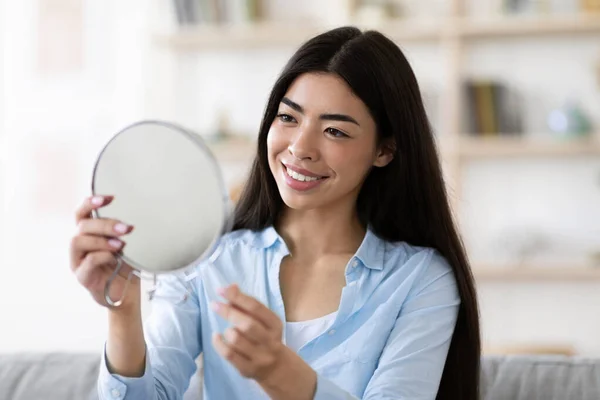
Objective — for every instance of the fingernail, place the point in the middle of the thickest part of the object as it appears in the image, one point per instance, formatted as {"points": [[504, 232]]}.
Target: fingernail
{"points": [[221, 291], [121, 228], [115, 243], [215, 306], [97, 200]]}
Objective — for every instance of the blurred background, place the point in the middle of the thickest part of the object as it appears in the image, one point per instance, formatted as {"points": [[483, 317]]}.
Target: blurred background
{"points": [[512, 88]]}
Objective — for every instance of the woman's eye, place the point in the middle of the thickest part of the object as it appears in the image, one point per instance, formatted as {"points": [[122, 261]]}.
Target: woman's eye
{"points": [[285, 118], [335, 132]]}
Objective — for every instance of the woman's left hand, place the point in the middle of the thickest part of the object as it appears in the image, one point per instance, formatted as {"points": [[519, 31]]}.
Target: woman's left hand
{"points": [[253, 344]]}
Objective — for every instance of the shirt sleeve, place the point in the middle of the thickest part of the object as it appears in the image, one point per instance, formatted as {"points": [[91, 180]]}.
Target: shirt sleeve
{"points": [[173, 342], [413, 359]]}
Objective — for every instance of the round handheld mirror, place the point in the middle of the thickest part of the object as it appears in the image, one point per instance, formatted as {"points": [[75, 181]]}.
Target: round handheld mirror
{"points": [[167, 184]]}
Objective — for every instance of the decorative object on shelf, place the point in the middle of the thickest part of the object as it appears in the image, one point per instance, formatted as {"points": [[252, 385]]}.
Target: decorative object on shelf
{"points": [[186, 12], [519, 6], [595, 257], [569, 120], [536, 7], [373, 12], [223, 131], [521, 244], [242, 11]]}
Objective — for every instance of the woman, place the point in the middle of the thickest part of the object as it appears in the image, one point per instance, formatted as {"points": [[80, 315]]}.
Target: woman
{"points": [[344, 276]]}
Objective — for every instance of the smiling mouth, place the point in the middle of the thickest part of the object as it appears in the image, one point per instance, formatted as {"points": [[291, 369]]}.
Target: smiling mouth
{"points": [[301, 178]]}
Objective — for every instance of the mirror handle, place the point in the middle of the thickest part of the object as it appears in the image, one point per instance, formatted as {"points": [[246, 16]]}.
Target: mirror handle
{"points": [[114, 275]]}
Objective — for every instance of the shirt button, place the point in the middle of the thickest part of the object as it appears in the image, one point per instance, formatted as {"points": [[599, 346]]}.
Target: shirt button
{"points": [[331, 332], [115, 393], [354, 264]]}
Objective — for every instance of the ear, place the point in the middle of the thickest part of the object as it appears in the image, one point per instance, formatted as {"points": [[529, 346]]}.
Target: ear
{"points": [[385, 154]]}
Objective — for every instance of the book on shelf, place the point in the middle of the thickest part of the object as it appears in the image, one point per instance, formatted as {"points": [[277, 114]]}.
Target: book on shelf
{"points": [[213, 12], [491, 109]]}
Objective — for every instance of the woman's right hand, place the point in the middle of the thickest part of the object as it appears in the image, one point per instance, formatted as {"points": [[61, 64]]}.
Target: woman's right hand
{"points": [[93, 250]]}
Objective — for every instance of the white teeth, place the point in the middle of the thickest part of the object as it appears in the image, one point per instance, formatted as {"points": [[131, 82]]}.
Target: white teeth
{"points": [[300, 177]]}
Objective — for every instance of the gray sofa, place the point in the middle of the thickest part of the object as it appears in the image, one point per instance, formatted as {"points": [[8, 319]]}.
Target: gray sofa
{"points": [[73, 376]]}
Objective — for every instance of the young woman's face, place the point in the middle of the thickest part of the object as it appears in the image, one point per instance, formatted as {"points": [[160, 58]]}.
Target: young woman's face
{"points": [[322, 143]]}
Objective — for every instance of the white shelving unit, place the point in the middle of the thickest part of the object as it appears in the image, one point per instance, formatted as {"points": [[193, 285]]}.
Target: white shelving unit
{"points": [[453, 34], [533, 273], [497, 147]]}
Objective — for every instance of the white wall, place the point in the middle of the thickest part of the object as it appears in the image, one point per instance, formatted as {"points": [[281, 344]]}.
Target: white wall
{"points": [[53, 130], [43, 308]]}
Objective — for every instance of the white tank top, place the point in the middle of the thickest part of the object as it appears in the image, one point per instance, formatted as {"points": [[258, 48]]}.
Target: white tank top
{"points": [[297, 334]]}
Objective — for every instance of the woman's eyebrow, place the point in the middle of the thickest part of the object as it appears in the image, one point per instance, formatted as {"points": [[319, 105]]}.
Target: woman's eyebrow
{"points": [[338, 117], [329, 117]]}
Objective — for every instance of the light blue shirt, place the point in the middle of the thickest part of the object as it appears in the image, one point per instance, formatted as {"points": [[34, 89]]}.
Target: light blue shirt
{"points": [[389, 340]]}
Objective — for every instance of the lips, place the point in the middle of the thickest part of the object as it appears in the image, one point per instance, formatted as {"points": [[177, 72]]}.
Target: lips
{"points": [[296, 180]]}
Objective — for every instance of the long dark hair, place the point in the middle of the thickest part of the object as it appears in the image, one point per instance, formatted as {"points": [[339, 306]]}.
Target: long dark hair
{"points": [[403, 201]]}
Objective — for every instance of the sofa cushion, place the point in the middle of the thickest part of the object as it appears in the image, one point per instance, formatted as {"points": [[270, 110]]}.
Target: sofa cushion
{"points": [[539, 377], [61, 376], [48, 376]]}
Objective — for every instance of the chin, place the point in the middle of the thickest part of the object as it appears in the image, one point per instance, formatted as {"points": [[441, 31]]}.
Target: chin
{"points": [[298, 201], [299, 205]]}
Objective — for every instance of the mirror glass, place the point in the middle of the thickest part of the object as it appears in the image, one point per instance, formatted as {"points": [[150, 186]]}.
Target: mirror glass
{"points": [[168, 185]]}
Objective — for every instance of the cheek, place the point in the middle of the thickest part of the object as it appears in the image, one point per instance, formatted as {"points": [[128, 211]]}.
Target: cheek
{"points": [[352, 163], [275, 143]]}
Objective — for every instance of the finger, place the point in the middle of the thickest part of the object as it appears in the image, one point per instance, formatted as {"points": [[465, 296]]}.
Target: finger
{"points": [[88, 273], [243, 364], [90, 204], [81, 245], [240, 343], [245, 323], [251, 306], [103, 227]]}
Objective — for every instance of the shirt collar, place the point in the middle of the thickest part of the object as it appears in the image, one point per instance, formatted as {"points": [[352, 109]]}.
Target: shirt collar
{"points": [[267, 237], [370, 252]]}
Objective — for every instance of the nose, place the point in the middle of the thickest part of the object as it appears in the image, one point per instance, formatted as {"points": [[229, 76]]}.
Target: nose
{"points": [[304, 146]]}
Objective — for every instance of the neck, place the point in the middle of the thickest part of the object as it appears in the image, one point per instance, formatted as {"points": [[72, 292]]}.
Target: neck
{"points": [[311, 234]]}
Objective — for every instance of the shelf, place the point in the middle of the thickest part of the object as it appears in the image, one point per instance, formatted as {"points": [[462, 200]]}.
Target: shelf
{"points": [[272, 34], [535, 273], [563, 349], [527, 26], [268, 34], [220, 37], [483, 147], [409, 31]]}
